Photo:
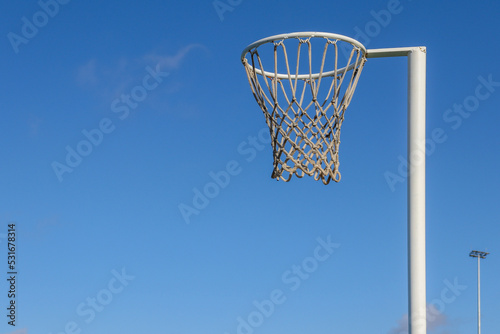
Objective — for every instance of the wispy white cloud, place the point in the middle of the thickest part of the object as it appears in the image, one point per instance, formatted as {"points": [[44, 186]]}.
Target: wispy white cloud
{"points": [[402, 327], [111, 80], [435, 320], [34, 124], [19, 331], [170, 62], [86, 74]]}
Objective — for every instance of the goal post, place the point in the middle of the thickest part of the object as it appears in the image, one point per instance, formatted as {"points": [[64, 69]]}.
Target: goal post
{"points": [[305, 119], [417, 306]]}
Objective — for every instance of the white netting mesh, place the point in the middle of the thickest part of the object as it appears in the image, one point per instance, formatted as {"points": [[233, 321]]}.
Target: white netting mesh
{"points": [[304, 100]]}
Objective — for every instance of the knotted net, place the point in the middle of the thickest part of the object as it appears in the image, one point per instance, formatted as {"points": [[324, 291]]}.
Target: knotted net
{"points": [[304, 97]]}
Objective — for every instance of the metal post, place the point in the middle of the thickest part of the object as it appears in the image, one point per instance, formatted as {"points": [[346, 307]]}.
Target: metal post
{"points": [[416, 182], [416, 191], [480, 255], [478, 295]]}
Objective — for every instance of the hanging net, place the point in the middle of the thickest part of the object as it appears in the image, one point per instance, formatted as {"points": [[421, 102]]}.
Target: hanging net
{"points": [[304, 82]]}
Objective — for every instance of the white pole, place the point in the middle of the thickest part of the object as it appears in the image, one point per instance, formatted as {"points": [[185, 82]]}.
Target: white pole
{"points": [[478, 296], [416, 191], [416, 182]]}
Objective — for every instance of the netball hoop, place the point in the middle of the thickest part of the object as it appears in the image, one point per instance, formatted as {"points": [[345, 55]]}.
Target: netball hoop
{"points": [[304, 82]]}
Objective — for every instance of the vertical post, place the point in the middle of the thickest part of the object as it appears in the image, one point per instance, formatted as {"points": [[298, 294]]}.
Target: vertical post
{"points": [[416, 191], [417, 305], [480, 255], [478, 295]]}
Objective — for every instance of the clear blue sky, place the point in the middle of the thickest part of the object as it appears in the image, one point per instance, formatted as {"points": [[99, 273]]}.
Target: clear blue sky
{"points": [[102, 246]]}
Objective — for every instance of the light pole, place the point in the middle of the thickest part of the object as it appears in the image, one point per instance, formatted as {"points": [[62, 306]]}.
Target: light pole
{"points": [[480, 255]]}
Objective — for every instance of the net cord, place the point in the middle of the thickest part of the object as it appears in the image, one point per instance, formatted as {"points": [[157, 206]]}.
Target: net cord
{"points": [[304, 142]]}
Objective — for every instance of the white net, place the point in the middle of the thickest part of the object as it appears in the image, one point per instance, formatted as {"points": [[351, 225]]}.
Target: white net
{"points": [[304, 99]]}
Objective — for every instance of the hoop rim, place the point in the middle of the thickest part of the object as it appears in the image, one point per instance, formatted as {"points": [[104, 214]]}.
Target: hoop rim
{"points": [[274, 38], [304, 34]]}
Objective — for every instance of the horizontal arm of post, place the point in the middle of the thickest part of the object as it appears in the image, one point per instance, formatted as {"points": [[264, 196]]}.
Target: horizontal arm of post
{"points": [[392, 52]]}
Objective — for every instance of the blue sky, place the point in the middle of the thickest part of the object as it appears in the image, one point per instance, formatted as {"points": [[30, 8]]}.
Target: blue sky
{"points": [[154, 95]]}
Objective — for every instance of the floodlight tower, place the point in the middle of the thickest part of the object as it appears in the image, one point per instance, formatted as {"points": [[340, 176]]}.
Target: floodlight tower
{"points": [[480, 255]]}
